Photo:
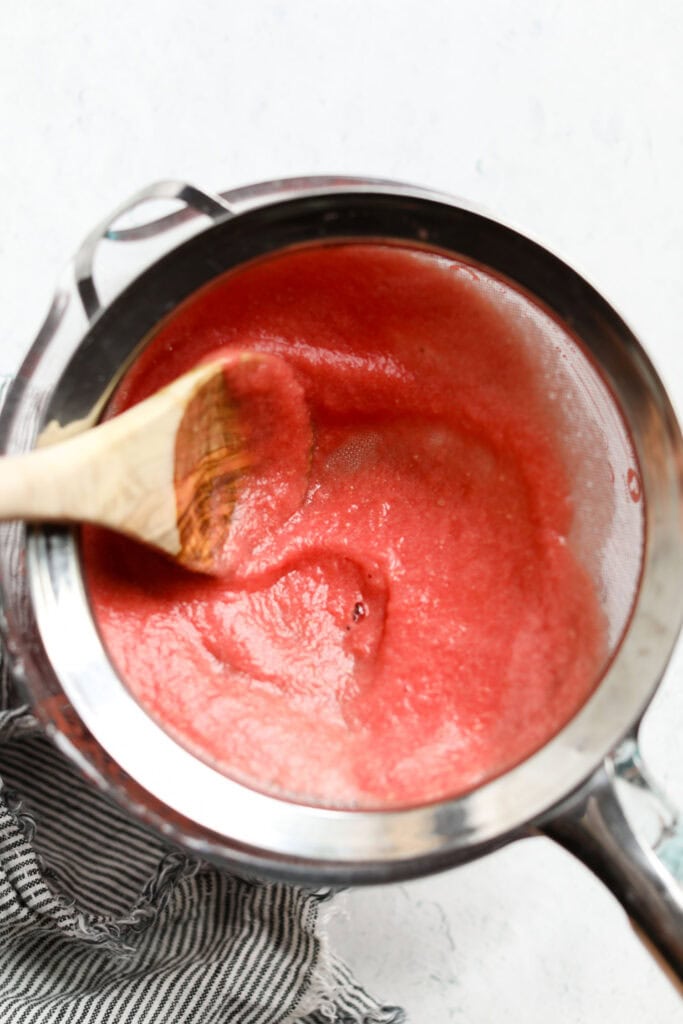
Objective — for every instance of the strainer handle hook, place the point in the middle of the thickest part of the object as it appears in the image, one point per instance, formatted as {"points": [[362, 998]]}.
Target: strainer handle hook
{"points": [[193, 198]]}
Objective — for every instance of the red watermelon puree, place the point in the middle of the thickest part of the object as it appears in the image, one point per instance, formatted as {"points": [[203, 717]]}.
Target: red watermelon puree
{"points": [[418, 623]]}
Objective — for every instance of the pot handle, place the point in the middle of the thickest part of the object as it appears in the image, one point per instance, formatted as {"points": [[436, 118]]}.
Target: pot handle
{"points": [[213, 206], [644, 876]]}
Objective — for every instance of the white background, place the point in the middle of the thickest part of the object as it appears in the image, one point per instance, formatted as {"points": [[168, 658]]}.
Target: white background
{"points": [[564, 118]]}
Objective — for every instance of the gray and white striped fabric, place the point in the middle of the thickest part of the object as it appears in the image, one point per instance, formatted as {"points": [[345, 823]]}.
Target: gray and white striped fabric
{"points": [[101, 923]]}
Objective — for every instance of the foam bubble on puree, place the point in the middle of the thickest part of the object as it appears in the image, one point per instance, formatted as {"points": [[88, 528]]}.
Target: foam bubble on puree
{"points": [[419, 623]]}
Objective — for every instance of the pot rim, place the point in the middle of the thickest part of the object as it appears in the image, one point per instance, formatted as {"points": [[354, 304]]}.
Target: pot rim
{"points": [[217, 816]]}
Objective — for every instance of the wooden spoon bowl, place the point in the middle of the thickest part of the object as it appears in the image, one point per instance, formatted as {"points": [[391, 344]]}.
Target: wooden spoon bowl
{"points": [[170, 471]]}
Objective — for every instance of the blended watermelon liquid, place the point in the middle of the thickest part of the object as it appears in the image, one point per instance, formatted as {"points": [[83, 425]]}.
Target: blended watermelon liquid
{"points": [[412, 620]]}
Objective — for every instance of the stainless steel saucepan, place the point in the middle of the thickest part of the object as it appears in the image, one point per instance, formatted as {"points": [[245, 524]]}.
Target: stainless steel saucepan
{"points": [[628, 466]]}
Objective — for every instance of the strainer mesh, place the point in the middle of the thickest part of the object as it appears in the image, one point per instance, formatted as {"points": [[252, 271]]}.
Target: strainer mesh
{"points": [[607, 531]]}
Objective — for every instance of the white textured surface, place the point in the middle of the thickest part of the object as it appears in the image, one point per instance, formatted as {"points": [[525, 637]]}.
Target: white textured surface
{"points": [[563, 117]]}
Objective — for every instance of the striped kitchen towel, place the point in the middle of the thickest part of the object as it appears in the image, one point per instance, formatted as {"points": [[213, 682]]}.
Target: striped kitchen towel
{"points": [[103, 923]]}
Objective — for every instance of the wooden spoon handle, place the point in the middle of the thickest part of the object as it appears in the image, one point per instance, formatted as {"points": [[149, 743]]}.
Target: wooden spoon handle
{"points": [[42, 485], [118, 474]]}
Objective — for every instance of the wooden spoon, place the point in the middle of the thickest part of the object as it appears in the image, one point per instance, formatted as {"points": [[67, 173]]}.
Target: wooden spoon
{"points": [[165, 472]]}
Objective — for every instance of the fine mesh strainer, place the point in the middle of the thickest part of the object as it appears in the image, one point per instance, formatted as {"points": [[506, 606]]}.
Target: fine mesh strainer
{"points": [[592, 437], [624, 454]]}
